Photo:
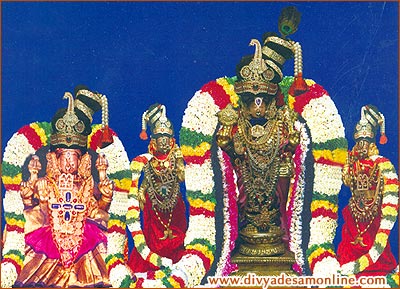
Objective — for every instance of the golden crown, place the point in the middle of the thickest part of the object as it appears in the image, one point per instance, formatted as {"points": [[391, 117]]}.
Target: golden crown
{"points": [[256, 76], [370, 120]]}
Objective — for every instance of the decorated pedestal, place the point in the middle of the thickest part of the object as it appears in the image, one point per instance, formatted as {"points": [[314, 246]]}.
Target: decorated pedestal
{"points": [[264, 265]]}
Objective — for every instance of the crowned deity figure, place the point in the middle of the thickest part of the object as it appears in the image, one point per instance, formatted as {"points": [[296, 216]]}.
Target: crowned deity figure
{"points": [[373, 183], [260, 139], [161, 202], [66, 211]]}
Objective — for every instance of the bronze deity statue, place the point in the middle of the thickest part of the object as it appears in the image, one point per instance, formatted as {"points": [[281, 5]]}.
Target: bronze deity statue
{"points": [[260, 139], [373, 183], [160, 198]]}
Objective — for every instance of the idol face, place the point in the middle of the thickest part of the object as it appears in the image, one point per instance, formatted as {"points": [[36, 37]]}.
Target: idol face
{"points": [[257, 108], [68, 160], [163, 144], [362, 148]]}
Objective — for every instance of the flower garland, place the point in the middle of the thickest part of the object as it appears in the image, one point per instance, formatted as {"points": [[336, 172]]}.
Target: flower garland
{"points": [[393, 279], [196, 143], [296, 197], [225, 267], [25, 142], [200, 242], [329, 149], [389, 212]]}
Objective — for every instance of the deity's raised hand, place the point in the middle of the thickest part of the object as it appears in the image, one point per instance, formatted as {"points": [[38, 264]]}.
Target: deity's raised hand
{"points": [[102, 166], [26, 188], [106, 186]]}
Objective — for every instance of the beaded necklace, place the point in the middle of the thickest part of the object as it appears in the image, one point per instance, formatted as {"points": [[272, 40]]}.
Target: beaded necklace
{"points": [[260, 170], [163, 189]]}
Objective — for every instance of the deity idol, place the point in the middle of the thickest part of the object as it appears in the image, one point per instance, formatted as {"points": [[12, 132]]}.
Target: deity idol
{"points": [[65, 210], [372, 208], [260, 139], [161, 202]]}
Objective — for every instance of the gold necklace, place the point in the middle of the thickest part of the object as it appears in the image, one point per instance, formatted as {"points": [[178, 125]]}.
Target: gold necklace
{"points": [[359, 238], [167, 231], [163, 189], [163, 163]]}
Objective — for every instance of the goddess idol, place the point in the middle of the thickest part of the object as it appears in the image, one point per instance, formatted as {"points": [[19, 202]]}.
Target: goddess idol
{"points": [[372, 209], [161, 202]]}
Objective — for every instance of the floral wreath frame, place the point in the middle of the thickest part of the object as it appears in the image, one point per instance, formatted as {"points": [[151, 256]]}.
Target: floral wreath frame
{"points": [[323, 150]]}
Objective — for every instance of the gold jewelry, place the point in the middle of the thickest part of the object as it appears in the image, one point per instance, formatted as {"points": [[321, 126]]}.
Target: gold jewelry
{"points": [[280, 41], [228, 116], [270, 53], [373, 150], [85, 109], [163, 189], [163, 163], [256, 87], [359, 239], [275, 67], [167, 231], [363, 130], [68, 139], [69, 127], [95, 96], [256, 75], [364, 203], [68, 228]]}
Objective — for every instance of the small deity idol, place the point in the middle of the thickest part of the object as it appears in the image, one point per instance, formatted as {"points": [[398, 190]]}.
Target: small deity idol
{"points": [[370, 177], [65, 210], [161, 202]]}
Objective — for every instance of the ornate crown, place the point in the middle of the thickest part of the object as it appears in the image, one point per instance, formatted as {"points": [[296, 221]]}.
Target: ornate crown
{"points": [[159, 124], [255, 77], [71, 126], [366, 128]]}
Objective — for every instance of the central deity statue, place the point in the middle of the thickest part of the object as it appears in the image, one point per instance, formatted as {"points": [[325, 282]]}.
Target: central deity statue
{"points": [[260, 139]]}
